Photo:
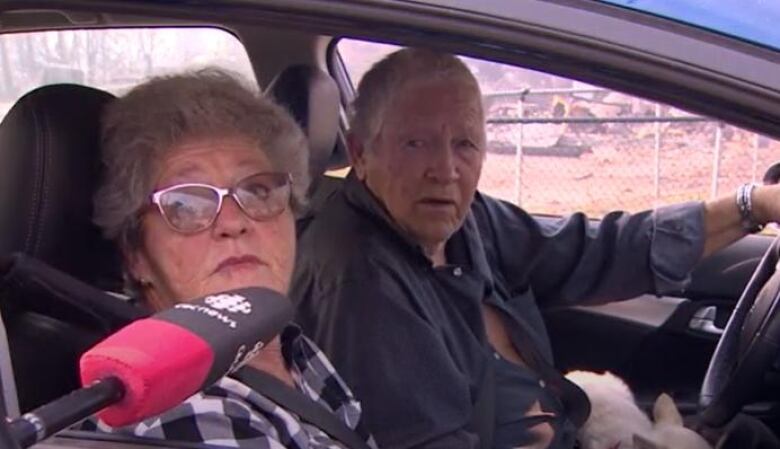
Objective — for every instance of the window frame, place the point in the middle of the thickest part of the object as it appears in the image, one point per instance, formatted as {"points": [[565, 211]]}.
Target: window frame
{"points": [[338, 69]]}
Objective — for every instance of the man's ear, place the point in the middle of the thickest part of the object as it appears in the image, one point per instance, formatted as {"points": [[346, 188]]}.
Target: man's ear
{"points": [[357, 152]]}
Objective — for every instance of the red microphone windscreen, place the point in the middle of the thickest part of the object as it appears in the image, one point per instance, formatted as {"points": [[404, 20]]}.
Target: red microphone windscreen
{"points": [[163, 360], [149, 357]]}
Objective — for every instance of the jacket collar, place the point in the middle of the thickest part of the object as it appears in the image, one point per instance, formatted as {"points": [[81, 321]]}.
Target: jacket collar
{"points": [[361, 198], [463, 248]]}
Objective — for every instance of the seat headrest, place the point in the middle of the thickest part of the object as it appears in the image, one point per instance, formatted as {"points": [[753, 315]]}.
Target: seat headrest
{"points": [[312, 98], [50, 166]]}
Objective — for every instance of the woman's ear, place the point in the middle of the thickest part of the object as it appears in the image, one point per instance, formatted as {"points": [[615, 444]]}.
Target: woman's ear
{"points": [[138, 266]]}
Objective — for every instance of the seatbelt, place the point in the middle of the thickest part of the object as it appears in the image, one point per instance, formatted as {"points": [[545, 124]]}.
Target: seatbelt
{"points": [[9, 400], [483, 422], [300, 404], [573, 398]]}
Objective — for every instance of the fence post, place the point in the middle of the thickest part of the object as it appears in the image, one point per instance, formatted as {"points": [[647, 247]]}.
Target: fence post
{"points": [[519, 149], [755, 157], [716, 161], [657, 157]]}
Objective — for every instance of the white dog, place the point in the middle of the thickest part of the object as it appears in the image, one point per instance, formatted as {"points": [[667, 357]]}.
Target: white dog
{"points": [[616, 422]]}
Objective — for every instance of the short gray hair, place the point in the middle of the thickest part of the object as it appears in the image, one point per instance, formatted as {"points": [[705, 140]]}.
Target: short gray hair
{"points": [[391, 74], [139, 128]]}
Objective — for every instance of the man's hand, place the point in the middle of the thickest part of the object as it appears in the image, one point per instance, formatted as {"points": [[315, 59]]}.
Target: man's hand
{"points": [[723, 221], [766, 203]]}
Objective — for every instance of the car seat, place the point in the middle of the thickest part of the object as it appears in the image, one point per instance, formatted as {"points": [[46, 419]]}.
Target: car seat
{"points": [[312, 98], [52, 257]]}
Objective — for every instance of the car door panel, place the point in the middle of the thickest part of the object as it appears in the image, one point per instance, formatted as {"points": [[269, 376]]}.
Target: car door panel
{"points": [[658, 343]]}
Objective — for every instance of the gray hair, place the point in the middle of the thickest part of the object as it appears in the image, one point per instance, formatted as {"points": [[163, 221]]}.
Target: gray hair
{"points": [[393, 73], [139, 128]]}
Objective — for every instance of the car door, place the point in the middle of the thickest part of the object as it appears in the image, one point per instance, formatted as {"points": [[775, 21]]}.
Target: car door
{"points": [[659, 344]]}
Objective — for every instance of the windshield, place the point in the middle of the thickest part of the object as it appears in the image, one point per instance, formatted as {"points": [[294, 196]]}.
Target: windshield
{"points": [[750, 20]]}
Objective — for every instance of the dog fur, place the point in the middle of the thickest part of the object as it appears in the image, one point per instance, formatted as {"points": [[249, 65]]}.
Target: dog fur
{"points": [[616, 422]]}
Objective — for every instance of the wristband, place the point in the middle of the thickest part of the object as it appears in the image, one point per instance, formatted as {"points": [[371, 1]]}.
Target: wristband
{"points": [[745, 206]]}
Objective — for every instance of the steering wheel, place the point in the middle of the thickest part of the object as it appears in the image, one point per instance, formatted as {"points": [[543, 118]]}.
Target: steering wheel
{"points": [[749, 345]]}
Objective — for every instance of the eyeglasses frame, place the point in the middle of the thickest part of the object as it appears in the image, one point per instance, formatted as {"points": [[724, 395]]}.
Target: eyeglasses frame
{"points": [[222, 192]]}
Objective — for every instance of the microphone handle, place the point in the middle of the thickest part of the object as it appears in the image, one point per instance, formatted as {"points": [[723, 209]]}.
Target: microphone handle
{"points": [[7, 441], [66, 411]]}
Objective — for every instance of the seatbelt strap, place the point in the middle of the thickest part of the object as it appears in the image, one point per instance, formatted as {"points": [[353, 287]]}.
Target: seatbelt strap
{"points": [[300, 404], [573, 398], [9, 400], [483, 422]]}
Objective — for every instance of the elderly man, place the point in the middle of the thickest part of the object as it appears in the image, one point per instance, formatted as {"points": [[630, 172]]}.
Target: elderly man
{"points": [[425, 293]]}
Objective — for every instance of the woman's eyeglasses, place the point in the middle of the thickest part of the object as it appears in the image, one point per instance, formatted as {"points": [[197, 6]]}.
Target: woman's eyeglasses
{"points": [[191, 208]]}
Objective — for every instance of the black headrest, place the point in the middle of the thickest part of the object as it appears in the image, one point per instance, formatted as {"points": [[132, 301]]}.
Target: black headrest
{"points": [[49, 169], [312, 97]]}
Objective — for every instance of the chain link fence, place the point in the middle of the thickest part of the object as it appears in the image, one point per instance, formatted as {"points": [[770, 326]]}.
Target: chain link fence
{"points": [[555, 151]]}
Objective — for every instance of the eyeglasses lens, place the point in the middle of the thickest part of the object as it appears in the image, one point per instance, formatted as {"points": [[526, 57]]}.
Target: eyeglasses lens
{"points": [[190, 208], [263, 196]]}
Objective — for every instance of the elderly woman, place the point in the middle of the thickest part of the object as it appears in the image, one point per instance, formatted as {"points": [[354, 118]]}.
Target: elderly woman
{"points": [[203, 178]]}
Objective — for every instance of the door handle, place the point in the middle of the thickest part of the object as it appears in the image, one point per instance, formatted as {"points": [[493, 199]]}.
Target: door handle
{"points": [[703, 320]]}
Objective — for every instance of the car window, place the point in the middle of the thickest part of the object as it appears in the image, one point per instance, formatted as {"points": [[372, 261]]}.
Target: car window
{"points": [[113, 60], [750, 20], [556, 145]]}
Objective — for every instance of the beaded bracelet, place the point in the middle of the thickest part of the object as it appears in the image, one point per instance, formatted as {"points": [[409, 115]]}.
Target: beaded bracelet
{"points": [[745, 206]]}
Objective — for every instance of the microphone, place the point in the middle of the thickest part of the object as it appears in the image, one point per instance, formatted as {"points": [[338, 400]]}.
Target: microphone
{"points": [[62, 413], [163, 360], [153, 364]]}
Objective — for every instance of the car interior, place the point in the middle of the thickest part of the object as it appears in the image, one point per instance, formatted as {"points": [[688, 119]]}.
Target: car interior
{"points": [[59, 278]]}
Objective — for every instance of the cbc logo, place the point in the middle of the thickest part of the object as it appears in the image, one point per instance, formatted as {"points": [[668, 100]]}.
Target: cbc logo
{"points": [[230, 303]]}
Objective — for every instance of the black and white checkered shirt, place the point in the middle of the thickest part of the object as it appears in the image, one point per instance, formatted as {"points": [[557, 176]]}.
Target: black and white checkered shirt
{"points": [[231, 414]]}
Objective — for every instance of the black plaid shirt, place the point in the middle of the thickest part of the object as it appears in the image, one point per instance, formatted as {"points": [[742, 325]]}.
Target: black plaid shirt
{"points": [[231, 414]]}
